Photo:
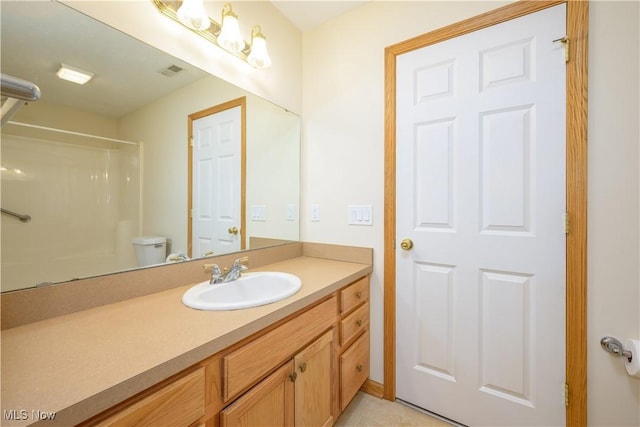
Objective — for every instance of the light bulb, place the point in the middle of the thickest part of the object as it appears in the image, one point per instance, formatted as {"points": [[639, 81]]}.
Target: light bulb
{"points": [[259, 56], [193, 15], [230, 37]]}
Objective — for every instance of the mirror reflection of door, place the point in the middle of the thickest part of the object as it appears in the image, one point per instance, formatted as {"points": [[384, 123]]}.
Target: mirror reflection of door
{"points": [[216, 178]]}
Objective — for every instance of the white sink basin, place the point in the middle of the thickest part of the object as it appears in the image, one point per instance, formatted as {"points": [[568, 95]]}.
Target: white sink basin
{"points": [[250, 290]]}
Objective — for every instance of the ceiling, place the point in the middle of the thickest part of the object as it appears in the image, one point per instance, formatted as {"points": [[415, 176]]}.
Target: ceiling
{"points": [[307, 14], [36, 37]]}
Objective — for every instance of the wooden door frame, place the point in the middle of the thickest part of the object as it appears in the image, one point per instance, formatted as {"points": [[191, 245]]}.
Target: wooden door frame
{"points": [[576, 189], [239, 102]]}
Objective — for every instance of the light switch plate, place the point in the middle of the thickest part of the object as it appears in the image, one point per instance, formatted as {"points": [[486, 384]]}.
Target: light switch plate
{"points": [[360, 215], [258, 213], [315, 213], [291, 212]]}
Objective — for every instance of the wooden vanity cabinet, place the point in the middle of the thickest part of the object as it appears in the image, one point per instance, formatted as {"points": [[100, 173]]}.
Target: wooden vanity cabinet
{"points": [[269, 403], [244, 365], [325, 375], [354, 369], [181, 402], [313, 383], [296, 394], [300, 372], [354, 339]]}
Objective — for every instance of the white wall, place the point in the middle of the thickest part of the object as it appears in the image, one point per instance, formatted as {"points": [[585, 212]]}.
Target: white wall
{"points": [[613, 207], [343, 152], [280, 84]]}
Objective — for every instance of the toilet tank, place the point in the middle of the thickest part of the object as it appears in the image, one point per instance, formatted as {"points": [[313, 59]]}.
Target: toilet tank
{"points": [[150, 250]]}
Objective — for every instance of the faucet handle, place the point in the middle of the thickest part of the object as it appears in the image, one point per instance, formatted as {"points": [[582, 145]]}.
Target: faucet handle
{"points": [[210, 267], [241, 261], [216, 274]]}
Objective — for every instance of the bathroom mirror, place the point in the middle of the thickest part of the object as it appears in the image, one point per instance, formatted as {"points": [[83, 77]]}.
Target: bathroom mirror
{"points": [[118, 171]]}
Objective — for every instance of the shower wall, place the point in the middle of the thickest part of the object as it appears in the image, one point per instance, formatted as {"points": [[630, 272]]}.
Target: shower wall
{"points": [[83, 197]]}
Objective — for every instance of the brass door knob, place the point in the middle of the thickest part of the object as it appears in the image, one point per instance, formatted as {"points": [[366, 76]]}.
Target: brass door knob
{"points": [[406, 244], [233, 230]]}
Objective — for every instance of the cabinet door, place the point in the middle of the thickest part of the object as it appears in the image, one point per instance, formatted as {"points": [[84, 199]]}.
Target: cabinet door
{"points": [[313, 388], [270, 403]]}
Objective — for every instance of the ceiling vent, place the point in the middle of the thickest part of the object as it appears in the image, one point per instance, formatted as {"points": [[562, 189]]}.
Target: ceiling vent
{"points": [[171, 70]]}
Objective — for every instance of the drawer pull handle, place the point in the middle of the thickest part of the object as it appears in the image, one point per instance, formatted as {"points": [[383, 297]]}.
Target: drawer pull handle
{"points": [[359, 294], [293, 377], [303, 367], [359, 322], [359, 368]]}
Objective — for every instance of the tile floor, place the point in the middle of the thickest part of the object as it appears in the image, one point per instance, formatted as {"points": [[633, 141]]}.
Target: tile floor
{"points": [[366, 410]]}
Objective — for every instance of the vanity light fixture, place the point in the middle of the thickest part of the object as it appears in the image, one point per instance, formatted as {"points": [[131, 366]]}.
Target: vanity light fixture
{"points": [[225, 35], [73, 74]]}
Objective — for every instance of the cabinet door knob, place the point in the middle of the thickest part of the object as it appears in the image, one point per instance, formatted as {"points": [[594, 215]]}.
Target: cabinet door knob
{"points": [[293, 376], [303, 367], [359, 322], [358, 294], [359, 368]]}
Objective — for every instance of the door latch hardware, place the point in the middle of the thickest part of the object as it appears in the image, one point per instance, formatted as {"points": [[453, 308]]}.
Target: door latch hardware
{"points": [[565, 42]]}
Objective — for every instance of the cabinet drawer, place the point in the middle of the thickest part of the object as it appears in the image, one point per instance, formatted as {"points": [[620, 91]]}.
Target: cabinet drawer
{"points": [[354, 323], [178, 404], [252, 361], [354, 369], [354, 295]]}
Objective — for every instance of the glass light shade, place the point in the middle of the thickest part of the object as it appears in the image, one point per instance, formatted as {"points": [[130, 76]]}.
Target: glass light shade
{"points": [[259, 57], [193, 15], [230, 37]]}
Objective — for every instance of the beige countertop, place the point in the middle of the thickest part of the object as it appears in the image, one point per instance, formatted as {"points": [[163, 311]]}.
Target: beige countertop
{"points": [[79, 364]]}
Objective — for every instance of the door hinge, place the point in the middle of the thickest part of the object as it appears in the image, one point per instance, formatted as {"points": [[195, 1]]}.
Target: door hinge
{"points": [[566, 395], [565, 43], [190, 141], [566, 223]]}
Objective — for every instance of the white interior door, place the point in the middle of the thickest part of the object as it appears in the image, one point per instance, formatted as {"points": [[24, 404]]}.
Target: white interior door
{"points": [[480, 134], [216, 183]]}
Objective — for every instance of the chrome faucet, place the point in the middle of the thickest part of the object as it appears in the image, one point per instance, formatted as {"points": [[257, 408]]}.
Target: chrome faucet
{"points": [[234, 273]]}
